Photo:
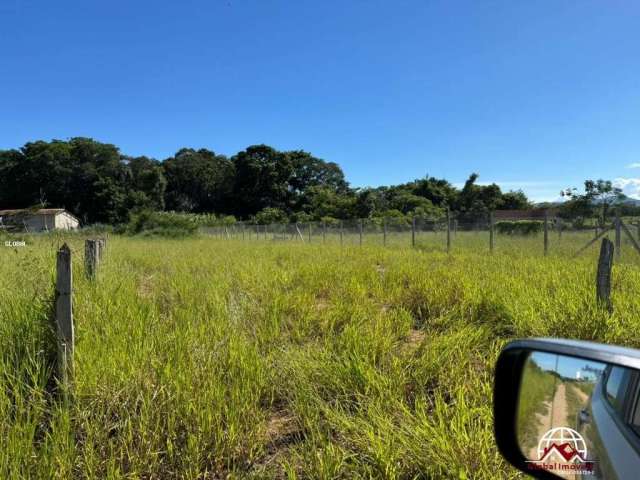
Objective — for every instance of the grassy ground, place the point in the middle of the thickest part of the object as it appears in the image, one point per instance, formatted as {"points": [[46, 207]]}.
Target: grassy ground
{"points": [[577, 400], [538, 388], [565, 245], [205, 358]]}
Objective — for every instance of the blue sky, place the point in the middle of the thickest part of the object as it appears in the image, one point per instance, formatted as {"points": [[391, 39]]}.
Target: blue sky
{"points": [[533, 95], [566, 366]]}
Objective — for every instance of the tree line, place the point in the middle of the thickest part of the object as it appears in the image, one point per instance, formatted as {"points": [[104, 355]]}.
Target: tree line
{"points": [[99, 184]]}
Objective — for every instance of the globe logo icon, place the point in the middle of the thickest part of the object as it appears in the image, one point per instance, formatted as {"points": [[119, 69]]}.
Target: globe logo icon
{"points": [[565, 441]]}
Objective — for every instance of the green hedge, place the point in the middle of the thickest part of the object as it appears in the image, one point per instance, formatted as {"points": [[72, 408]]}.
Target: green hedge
{"points": [[166, 224], [519, 227]]}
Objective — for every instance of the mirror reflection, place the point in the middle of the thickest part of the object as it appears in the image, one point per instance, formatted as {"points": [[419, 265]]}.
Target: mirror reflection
{"points": [[579, 418]]}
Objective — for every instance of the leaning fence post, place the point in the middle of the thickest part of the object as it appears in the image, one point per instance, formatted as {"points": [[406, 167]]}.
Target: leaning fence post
{"points": [[64, 313], [603, 278], [559, 221], [618, 236], [448, 230], [413, 231], [626, 230], [546, 233], [91, 258], [102, 247], [491, 232], [384, 231]]}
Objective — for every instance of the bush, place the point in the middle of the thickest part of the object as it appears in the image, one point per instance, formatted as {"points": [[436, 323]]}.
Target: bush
{"points": [[330, 221], [270, 215], [520, 227], [96, 229], [166, 224]]}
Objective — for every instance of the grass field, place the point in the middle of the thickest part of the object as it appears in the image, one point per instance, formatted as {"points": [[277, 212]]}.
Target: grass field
{"points": [[538, 388], [203, 358], [565, 245]]}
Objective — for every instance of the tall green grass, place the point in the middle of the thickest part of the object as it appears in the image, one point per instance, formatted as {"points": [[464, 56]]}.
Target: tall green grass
{"points": [[203, 358], [537, 390]]}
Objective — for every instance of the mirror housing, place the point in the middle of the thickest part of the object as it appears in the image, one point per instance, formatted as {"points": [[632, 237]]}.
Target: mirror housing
{"points": [[507, 383]]}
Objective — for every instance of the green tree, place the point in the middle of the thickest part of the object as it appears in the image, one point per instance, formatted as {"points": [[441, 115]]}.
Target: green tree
{"points": [[148, 182], [514, 200], [476, 201], [320, 202], [438, 191], [598, 198], [309, 171], [82, 175], [269, 215], [198, 181], [262, 176]]}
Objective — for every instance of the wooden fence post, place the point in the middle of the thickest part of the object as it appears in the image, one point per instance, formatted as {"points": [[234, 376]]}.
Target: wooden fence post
{"points": [[384, 231], [413, 231], [64, 313], [102, 247], [361, 227], [324, 232], [603, 278], [491, 232], [309, 232], [546, 233], [448, 230], [630, 235], [560, 225], [341, 229], [91, 258], [618, 236]]}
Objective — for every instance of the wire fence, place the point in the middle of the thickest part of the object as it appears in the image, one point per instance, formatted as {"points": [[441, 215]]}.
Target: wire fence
{"points": [[550, 236]]}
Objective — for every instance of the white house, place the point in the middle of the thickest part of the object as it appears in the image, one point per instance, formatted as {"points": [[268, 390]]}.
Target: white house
{"points": [[41, 220]]}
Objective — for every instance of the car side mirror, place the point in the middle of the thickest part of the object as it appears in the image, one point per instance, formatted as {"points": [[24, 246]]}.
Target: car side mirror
{"points": [[568, 409]]}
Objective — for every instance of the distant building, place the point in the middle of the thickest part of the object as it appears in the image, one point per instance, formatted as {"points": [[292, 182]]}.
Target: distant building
{"points": [[41, 220]]}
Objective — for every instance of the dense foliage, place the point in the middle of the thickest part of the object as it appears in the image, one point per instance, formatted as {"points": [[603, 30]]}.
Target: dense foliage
{"points": [[519, 227], [98, 183]]}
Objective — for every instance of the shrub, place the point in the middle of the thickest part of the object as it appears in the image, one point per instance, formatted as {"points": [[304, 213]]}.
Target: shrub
{"points": [[96, 229], [270, 215], [519, 227], [330, 221], [167, 224]]}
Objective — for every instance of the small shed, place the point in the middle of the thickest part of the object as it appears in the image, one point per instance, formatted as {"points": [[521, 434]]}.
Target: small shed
{"points": [[38, 220]]}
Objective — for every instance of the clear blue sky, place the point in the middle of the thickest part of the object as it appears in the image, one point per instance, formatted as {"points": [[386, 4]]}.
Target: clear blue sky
{"points": [[535, 95], [566, 366]]}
